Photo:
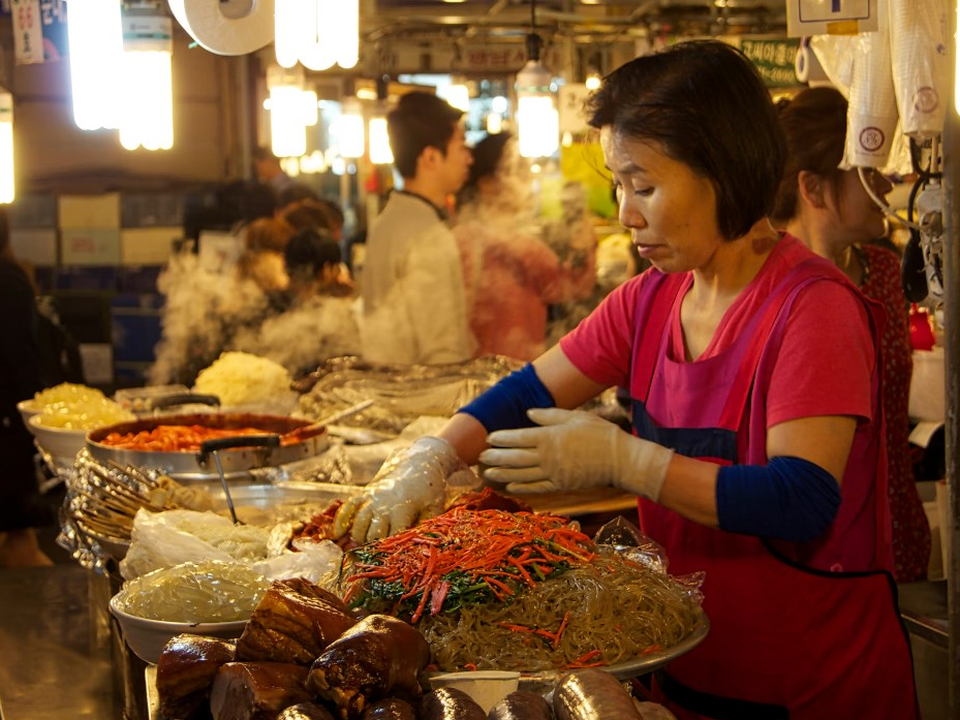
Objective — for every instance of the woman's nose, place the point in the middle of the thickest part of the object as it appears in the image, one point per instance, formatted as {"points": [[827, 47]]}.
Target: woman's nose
{"points": [[630, 215]]}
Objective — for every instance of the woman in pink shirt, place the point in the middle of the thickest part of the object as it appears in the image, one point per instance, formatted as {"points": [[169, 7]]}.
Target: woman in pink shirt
{"points": [[510, 274]]}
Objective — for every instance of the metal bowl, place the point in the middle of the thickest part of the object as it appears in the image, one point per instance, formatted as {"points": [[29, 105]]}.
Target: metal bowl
{"points": [[196, 465]]}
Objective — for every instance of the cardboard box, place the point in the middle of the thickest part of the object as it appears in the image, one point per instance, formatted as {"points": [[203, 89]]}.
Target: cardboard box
{"points": [[90, 211], [34, 245], [90, 246], [147, 246]]}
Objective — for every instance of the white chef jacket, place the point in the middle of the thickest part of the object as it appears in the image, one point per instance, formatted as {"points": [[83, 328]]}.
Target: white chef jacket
{"points": [[414, 309]]}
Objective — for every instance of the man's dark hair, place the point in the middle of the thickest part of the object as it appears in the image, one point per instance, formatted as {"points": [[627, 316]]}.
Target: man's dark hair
{"points": [[706, 106], [420, 120]]}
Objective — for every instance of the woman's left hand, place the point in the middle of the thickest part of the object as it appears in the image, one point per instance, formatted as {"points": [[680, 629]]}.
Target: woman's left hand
{"points": [[572, 450]]}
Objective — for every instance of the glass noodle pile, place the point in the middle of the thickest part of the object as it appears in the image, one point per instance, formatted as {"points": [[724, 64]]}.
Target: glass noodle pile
{"points": [[518, 591]]}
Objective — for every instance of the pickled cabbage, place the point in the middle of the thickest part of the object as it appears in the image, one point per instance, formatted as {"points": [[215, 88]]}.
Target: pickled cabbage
{"points": [[67, 393], [84, 412], [203, 592]]}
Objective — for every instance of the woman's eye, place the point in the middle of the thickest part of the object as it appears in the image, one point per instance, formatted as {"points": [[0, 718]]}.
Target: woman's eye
{"points": [[643, 192]]}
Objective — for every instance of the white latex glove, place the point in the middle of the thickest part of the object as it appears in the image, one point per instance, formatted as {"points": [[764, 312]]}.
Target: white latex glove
{"points": [[410, 485], [573, 450]]}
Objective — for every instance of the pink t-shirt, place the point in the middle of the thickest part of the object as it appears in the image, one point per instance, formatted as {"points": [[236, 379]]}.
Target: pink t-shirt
{"points": [[823, 366], [819, 360]]}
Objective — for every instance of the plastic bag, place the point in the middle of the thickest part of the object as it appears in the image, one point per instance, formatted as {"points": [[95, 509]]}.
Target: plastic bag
{"points": [[172, 537]]}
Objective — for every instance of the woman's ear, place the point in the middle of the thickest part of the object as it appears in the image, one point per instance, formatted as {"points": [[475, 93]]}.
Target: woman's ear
{"points": [[811, 187]]}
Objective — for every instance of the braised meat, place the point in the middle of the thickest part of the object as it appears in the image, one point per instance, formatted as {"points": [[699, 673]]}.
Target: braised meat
{"points": [[378, 657], [451, 704], [294, 621], [256, 690], [185, 673], [390, 709], [306, 711]]}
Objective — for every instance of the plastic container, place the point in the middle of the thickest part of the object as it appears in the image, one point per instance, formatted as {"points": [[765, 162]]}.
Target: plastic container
{"points": [[927, 386], [485, 687]]}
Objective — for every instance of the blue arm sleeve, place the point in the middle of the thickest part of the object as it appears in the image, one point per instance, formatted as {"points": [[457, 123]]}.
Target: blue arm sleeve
{"points": [[790, 499], [505, 405]]}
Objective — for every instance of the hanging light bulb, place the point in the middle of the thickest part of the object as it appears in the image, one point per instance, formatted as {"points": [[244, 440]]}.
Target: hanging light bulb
{"points": [[318, 33], [457, 95], [292, 110], [7, 188], [347, 21], [350, 129], [380, 152], [95, 36], [537, 115], [146, 114]]}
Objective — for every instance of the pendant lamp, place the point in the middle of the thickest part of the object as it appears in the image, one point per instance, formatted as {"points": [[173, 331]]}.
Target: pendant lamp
{"points": [[537, 115]]}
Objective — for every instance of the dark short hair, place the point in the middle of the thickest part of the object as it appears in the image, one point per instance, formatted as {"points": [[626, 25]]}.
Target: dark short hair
{"points": [[486, 159], [309, 251], [308, 214], [705, 104], [815, 123], [295, 192], [420, 120], [262, 152]]}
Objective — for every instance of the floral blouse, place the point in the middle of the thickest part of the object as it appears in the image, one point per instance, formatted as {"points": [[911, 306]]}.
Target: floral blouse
{"points": [[911, 531]]}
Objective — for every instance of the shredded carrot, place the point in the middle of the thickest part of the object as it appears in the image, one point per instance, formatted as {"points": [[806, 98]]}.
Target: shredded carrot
{"points": [[466, 555], [584, 660]]}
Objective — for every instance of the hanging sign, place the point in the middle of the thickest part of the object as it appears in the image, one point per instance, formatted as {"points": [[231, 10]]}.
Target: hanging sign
{"points": [[571, 99], [39, 30], [831, 17], [774, 59]]}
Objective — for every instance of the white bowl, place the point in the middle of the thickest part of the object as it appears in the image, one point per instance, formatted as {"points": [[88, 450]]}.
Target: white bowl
{"points": [[485, 687], [147, 637], [61, 443], [27, 408]]}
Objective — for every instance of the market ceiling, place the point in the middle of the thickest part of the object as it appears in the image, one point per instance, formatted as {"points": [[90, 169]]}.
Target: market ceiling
{"points": [[617, 19]]}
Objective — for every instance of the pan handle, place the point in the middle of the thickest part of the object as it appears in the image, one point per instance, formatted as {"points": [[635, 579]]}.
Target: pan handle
{"points": [[238, 441], [161, 403]]}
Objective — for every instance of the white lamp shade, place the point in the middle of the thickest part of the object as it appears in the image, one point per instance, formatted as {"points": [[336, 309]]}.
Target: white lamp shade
{"points": [[380, 152], [7, 189], [288, 136], [539, 121], [146, 113], [95, 37]]}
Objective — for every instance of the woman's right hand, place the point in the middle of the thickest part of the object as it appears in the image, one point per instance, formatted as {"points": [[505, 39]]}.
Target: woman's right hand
{"points": [[410, 486]]}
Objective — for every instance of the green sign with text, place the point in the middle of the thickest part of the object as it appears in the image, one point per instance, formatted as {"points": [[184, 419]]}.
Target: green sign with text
{"points": [[774, 59]]}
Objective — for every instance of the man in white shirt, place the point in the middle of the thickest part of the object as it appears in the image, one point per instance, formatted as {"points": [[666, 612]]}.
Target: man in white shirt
{"points": [[412, 285]]}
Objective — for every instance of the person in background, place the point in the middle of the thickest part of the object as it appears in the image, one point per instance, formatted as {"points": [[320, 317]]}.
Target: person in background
{"points": [[510, 274], [756, 446], [262, 258], [831, 212], [266, 167], [313, 318], [414, 308], [22, 509], [312, 261]]}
